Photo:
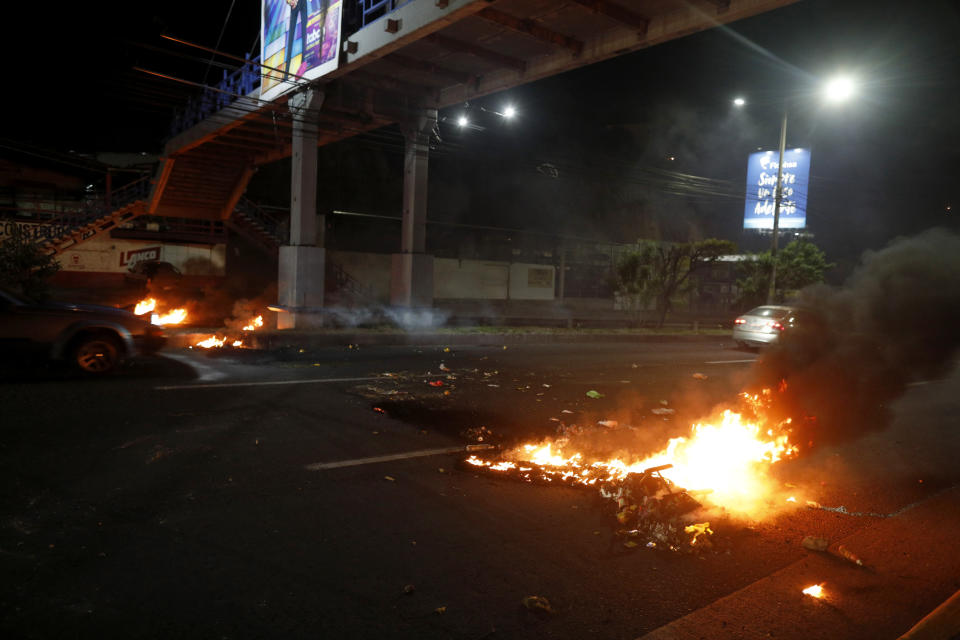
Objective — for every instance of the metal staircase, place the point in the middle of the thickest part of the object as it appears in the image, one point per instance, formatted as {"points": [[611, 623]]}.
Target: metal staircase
{"points": [[97, 216], [345, 290], [254, 223]]}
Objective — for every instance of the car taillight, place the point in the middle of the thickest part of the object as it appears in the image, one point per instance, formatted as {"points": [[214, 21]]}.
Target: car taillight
{"points": [[776, 325], [740, 321]]}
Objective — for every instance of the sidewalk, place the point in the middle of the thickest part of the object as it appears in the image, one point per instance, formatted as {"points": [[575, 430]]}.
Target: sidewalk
{"points": [[910, 566]]}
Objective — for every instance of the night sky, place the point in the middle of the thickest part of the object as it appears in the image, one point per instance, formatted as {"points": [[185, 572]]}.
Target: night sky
{"points": [[590, 153]]}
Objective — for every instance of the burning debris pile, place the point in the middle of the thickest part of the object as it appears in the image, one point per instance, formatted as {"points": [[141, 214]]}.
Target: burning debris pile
{"points": [[245, 319], [660, 500]]}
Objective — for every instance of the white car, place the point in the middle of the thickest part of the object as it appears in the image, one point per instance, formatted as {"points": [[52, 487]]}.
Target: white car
{"points": [[766, 325]]}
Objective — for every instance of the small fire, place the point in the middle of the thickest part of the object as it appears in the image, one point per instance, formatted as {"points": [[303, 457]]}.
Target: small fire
{"points": [[172, 317], [148, 305], [254, 324], [145, 306], [724, 461], [212, 341], [815, 591]]}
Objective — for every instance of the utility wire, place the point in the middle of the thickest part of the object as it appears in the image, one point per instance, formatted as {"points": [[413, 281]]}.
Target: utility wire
{"points": [[219, 38]]}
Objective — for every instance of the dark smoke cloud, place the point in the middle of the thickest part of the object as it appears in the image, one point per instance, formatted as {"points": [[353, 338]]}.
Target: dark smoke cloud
{"points": [[894, 321]]}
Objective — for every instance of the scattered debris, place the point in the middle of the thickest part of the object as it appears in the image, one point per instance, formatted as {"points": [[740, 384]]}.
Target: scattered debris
{"points": [[390, 478], [440, 610], [700, 376], [702, 529], [846, 554], [379, 410], [537, 603], [476, 434], [436, 383], [815, 544], [652, 509], [596, 395], [608, 423], [662, 411], [566, 411], [444, 367]]}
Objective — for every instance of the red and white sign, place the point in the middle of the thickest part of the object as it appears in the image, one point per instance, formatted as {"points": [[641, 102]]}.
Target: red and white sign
{"points": [[129, 258]]}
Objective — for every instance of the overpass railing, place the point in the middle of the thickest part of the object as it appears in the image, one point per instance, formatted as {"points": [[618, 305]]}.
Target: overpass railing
{"points": [[358, 14]]}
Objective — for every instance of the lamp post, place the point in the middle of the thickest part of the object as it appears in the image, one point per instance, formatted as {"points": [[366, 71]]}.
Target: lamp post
{"points": [[777, 198], [838, 89]]}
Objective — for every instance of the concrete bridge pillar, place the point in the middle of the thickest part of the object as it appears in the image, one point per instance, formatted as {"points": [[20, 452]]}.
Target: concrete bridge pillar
{"points": [[411, 280], [301, 268]]}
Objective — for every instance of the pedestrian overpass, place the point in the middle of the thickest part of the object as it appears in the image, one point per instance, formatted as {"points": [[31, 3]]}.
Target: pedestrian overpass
{"points": [[406, 60]]}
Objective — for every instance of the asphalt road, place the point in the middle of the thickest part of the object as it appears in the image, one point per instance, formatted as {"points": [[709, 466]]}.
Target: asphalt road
{"points": [[176, 500]]}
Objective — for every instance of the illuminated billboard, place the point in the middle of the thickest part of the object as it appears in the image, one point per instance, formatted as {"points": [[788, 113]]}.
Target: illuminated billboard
{"points": [[297, 38], [762, 186]]}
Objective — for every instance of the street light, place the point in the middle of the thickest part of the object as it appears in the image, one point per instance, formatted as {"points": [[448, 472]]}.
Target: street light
{"points": [[838, 89]]}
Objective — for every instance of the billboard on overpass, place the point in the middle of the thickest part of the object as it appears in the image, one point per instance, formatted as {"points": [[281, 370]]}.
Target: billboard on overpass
{"points": [[762, 186], [297, 38]]}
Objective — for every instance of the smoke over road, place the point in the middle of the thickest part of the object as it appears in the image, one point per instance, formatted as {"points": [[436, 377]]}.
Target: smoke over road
{"points": [[896, 320]]}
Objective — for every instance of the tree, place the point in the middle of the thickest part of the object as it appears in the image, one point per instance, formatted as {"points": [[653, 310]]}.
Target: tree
{"points": [[799, 264], [656, 271], [24, 267]]}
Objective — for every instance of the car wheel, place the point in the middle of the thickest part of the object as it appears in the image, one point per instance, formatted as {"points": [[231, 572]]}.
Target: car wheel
{"points": [[97, 354]]}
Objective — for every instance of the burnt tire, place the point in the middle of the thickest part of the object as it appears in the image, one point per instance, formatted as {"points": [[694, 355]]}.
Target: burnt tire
{"points": [[97, 354]]}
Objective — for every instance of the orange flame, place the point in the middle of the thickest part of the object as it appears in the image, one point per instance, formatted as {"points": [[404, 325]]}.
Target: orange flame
{"points": [[172, 317], [254, 324], [815, 591], [726, 459], [145, 306], [212, 341]]}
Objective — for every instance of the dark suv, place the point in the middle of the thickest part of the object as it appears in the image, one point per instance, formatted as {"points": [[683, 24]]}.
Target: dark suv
{"points": [[95, 339]]}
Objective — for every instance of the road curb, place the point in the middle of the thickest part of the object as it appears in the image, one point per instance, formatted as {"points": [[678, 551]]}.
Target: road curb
{"points": [[277, 340], [940, 624], [859, 598]]}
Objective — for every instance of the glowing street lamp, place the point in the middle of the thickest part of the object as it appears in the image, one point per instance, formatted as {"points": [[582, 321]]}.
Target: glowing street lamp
{"points": [[462, 121], [509, 112], [739, 102], [839, 89], [836, 90]]}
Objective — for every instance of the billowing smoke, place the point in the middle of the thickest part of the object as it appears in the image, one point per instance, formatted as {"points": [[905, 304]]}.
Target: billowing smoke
{"points": [[403, 318], [895, 321]]}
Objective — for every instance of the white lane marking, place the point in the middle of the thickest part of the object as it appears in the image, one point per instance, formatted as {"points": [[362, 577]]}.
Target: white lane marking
{"points": [[266, 383], [920, 383], [729, 361], [317, 466], [206, 371]]}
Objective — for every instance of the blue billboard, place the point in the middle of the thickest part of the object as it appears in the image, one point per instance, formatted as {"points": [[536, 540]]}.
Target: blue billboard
{"points": [[762, 187]]}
